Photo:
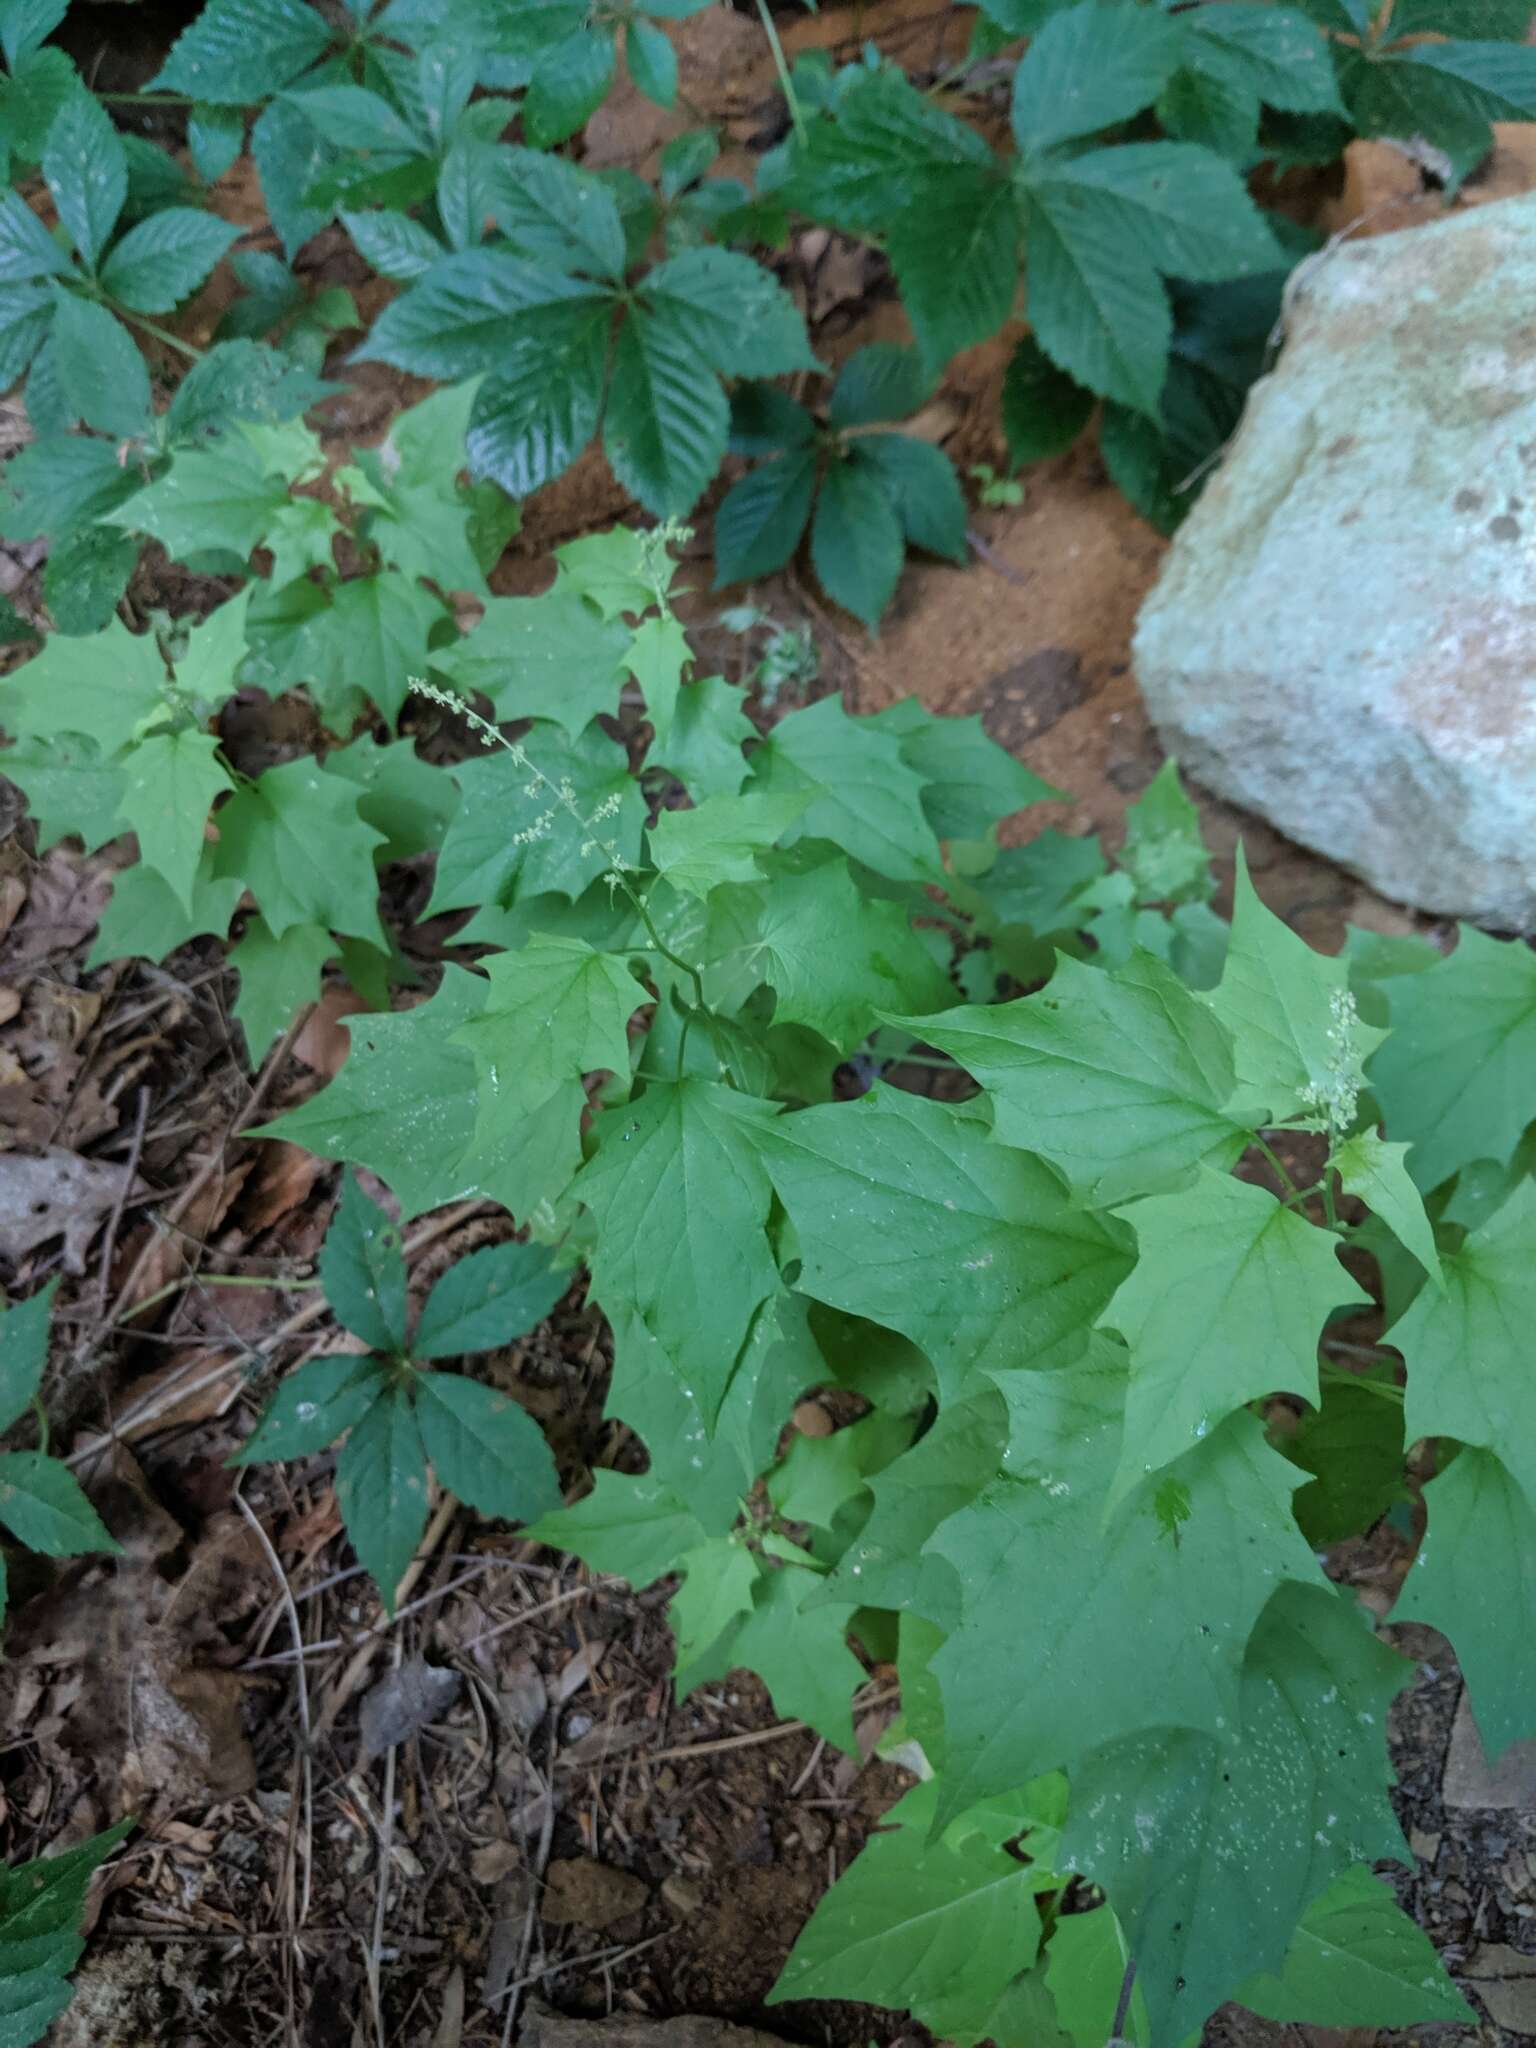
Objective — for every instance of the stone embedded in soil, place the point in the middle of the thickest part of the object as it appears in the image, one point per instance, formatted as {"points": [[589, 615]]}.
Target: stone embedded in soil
{"points": [[1343, 637], [546, 2029], [581, 1893]]}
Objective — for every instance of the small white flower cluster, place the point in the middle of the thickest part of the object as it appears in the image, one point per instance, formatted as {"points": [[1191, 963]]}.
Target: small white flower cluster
{"points": [[560, 796], [1335, 1099]]}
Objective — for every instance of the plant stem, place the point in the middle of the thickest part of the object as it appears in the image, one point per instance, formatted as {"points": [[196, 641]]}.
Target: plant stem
{"points": [[153, 327], [1293, 1193], [786, 83], [273, 1280], [1335, 1376], [42, 1424], [148, 99]]}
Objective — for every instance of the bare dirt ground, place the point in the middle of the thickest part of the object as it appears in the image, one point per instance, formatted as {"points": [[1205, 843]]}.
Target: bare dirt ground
{"points": [[353, 1835]]}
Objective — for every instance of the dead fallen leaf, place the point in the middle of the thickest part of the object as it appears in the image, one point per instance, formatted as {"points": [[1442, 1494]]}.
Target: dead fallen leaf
{"points": [[151, 1723], [284, 1177], [524, 1700], [68, 893], [492, 1860], [583, 1666], [450, 2026], [324, 1043], [55, 1194], [173, 1255], [403, 1702]]}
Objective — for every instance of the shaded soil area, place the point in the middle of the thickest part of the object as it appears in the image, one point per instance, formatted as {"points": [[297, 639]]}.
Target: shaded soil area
{"points": [[355, 1833]]}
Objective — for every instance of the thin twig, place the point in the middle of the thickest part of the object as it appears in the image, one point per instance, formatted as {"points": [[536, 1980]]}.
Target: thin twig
{"points": [[306, 1763], [130, 1174], [362, 1657], [994, 560], [541, 1864], [686, 1750], [582, 1592], [260, 1089], [381, 1899]]}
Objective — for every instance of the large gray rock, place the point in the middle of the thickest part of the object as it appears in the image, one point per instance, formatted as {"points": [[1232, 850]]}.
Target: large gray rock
{"points": [[1343, 638]]}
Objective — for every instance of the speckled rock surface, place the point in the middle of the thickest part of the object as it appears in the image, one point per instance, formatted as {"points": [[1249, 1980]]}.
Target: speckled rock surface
{"points": [[1343, 637]]}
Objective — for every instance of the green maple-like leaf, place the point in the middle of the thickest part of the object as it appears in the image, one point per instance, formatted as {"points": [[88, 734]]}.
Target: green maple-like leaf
{"points": [[703, 749], [1216, 1262], [70, 789], [928, 1926], [405, 1106], [278, 976], [1161, 1623], [1376, 1173], [681, 1199], [146, 920], [224, 497], [1298, 1042], [658, 657], [1353, 1446], [555, 1010], [712, 1461], [911, 1215], [295, 837], [1456, 1079], [836, 958], [1211, 1846], [1476, 1568], [169, 783], [861, 793], [971, 782], [1465, 1348], [551, 657], [207, 669], [632, 1525], [798, 1648], [1119, 1078], [1357, 1960], [720, 1578], [942, 1473], [719, 840], [515, 834], [104, 687]]}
